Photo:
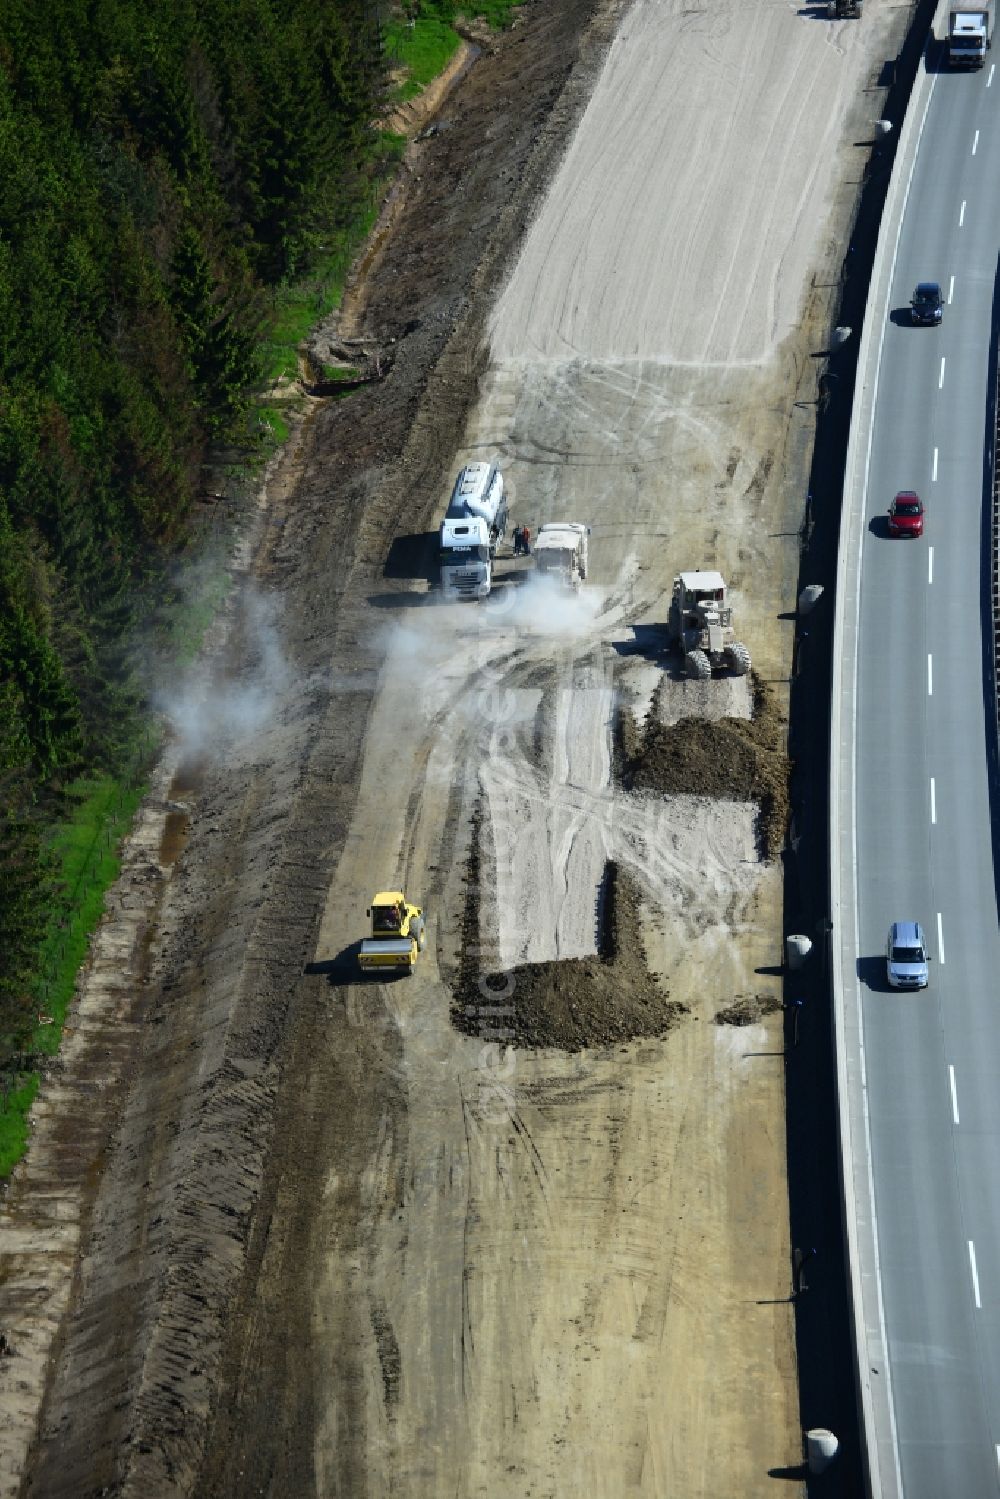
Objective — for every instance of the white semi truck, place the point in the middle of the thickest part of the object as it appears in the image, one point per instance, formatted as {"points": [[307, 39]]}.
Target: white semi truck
{"points": [[561, 552], [474, 523], [970, 34]]}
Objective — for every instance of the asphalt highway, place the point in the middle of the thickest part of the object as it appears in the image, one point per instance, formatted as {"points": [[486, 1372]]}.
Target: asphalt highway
{"points": [[922, 841]]}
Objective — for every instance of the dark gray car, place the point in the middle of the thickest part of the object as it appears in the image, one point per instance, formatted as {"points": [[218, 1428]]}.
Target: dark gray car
{"points": [[927, 304]]}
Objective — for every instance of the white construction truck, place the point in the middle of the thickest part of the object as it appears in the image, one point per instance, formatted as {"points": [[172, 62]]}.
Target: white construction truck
{"points": [[970, 34], [475, 521], [560, 550]]}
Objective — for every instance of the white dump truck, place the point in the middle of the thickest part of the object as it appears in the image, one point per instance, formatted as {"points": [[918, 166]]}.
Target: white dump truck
{"points": [[970, 34], [561, 552], [475, 521]]}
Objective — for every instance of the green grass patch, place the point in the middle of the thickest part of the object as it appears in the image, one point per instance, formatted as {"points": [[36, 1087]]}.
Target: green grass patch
{"points": [[14, 1110], [424, 49], [296, 309], [84, 850], [499, 13], [272, 427], [188, 618]]}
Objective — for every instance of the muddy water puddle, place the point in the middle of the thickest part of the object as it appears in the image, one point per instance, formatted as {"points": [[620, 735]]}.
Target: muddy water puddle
{"points": [[184, 789]]}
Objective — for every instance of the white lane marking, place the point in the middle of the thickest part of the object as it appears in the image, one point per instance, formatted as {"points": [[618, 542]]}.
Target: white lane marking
{"points": [[961, 214], [975, 143], [934, 468], [993, 68], [975, 1274], [930, 564], [940, 940], [941, 376], [951, 290], [933, 801], [954, 1093], [930, 675]]}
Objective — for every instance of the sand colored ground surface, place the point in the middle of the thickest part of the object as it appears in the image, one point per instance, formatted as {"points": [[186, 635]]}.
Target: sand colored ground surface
{"points": [[683, 223], [589, 1298]]}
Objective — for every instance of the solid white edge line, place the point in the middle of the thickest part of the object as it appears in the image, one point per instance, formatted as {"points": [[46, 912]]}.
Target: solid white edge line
{"points": [[933, 801], [874, 1477], [951, 290], [930, 675], [934, 467], [954, 1092], [961, 214], [940, 940], [975, 1274], [941, 376], [975, 143], [930, 564]]}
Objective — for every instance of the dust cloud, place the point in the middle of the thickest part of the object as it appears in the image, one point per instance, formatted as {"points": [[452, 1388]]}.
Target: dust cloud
{"points": [[206, 708], [544, 606]]}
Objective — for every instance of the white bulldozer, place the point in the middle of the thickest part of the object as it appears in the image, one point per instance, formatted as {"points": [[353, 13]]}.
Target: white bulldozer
{"points": [[701, 626]]}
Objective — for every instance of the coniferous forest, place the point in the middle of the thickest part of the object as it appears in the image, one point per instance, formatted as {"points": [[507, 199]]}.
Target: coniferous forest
{"points": [[165, 165]]}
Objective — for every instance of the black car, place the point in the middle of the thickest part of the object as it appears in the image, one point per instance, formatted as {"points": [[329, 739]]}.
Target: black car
{"points": [[927, 304]]}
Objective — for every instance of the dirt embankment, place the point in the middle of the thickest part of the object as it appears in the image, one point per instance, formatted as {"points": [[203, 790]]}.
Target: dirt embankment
{"points": [[576, 1002], [732, 759]]}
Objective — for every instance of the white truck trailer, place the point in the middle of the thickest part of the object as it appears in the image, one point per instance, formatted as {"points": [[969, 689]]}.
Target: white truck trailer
{"points": [[474, 523], [970, 34], [561, 552]]}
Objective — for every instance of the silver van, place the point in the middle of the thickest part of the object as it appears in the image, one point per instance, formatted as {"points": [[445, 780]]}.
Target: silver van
{"points": [[906, 956]]}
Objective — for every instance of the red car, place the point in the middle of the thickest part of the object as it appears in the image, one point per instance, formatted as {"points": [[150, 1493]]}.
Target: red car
{"points": [[906, 514]]}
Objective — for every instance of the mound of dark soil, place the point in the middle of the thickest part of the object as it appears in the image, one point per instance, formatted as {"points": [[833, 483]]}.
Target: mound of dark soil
{"points": [[577, 1002], [747, 1009], [733, 759]]}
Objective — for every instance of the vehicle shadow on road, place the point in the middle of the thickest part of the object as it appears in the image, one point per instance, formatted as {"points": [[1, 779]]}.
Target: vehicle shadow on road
{"points": [[413, 556], [901, 317], [647, 640], [879, 526], [872, 974], [342, 969], [402, 600], [937, 56]]}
